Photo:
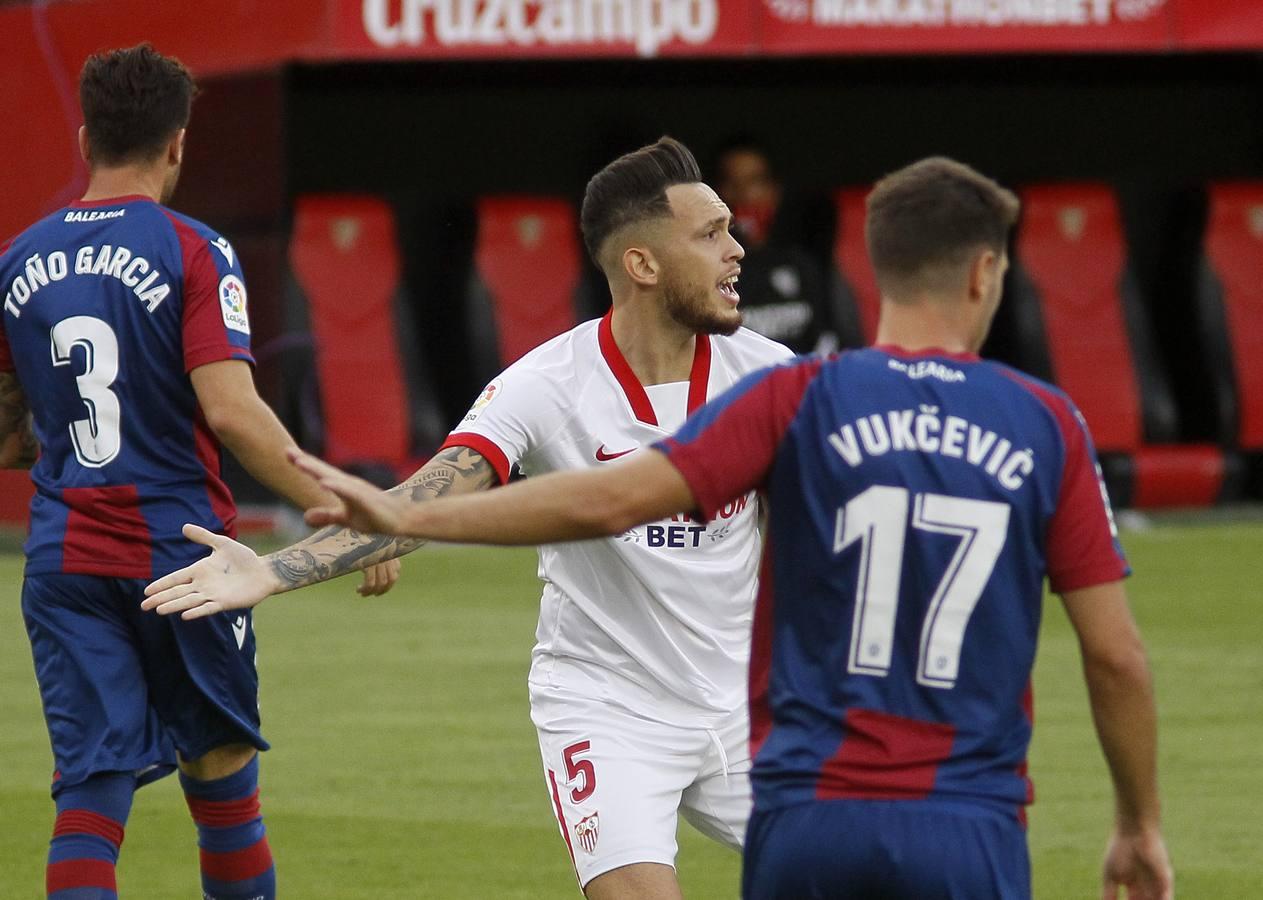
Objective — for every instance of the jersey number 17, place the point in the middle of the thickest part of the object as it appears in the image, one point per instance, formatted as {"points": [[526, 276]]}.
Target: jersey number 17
{"points": [[878, 520]]}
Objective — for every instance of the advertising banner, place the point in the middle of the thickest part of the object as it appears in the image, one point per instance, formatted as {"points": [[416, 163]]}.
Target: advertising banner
{"points": [[1218, 25], [437, 29], [963, 26]]}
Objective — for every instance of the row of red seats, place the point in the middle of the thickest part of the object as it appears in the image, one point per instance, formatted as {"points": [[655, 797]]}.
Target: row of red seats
{"points": [[1083, 323]]}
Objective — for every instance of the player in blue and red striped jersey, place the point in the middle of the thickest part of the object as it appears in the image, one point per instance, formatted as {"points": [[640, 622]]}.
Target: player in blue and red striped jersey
{"points": [[125, 334], [918, 498]]}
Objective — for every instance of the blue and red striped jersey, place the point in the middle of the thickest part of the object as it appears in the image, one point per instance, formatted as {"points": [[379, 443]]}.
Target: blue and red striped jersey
{"points": [[108, 306], [916, 503]]}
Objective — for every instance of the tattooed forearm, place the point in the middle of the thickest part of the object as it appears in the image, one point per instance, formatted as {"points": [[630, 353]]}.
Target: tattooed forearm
{"points": [[335, 551], [298, 567]]}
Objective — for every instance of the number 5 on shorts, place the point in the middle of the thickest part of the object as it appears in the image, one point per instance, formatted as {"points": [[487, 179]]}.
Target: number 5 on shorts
{"points": [[579, 767]]}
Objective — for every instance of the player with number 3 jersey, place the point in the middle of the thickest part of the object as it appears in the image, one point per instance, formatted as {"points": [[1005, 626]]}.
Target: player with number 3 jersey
{"points": [[124, 362]]}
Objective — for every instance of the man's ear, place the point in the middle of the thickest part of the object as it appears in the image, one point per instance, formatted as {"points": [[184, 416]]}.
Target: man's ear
{"points": [[84, 149], [983, 273], [175, 149], [641, 266]]}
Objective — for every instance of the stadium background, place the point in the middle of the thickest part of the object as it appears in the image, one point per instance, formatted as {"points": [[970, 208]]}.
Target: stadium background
{"points": [[355, 151]]}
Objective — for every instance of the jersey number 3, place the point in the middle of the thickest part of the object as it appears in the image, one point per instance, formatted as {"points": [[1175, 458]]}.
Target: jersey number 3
{"points": [[97, 438], [878, 520]]}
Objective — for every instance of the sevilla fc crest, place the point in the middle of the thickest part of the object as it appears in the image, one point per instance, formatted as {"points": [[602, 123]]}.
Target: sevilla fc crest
{"points": [[586, 830]]}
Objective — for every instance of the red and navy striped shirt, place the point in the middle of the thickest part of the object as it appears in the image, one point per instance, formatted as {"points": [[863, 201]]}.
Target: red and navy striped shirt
{"points": [[917, 501], [108, 306]]}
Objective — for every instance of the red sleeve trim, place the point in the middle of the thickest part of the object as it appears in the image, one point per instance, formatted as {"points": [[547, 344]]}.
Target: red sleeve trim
{"points": [[483, 445]]}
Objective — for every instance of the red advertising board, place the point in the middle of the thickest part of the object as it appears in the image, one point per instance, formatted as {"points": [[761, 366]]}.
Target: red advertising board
{"points": [[439, 29], [963, 26], [1218, 24]]}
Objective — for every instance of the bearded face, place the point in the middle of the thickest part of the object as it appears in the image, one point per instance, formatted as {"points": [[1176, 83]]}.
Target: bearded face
{"points": [[696, 306]]}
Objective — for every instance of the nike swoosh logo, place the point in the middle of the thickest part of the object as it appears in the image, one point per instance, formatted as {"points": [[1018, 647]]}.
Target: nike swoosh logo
{"points": [[239, 631], [602, 456]]}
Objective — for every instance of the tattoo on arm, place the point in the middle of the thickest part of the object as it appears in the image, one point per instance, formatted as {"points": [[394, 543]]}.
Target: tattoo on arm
{"points": [[15, 420], [335, 551]]}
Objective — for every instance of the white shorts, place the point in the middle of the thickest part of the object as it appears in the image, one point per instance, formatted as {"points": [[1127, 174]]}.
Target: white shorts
{"points": [[616, 781]]}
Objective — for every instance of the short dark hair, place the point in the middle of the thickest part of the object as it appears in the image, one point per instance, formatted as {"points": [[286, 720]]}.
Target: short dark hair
{"points": [[133, 101], [633, 188], [933, 213]]}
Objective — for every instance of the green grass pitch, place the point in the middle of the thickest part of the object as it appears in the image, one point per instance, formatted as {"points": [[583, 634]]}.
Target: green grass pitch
{"points": [[405, 764]]}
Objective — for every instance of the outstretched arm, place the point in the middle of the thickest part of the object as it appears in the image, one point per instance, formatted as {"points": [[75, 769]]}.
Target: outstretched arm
{"points": [[1120, 689], [18, 447], [336, 550], [255, 436], [562, 506], [233, 577]]}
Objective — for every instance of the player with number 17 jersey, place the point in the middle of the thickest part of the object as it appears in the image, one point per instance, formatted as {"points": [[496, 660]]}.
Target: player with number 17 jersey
{"points": [[918, 498], [103, 301]]}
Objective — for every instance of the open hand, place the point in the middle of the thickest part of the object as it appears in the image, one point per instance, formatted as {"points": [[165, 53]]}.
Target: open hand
{"points": [[232, 577]]}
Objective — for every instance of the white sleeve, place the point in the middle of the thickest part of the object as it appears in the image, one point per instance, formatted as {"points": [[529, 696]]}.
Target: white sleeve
{"points": [[507, 419]]}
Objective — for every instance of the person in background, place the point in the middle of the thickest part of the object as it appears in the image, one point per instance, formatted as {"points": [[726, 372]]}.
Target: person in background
{"points": [[784, 291]]}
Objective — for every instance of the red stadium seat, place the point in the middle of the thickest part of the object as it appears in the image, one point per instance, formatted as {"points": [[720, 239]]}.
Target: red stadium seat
{"points": [[1073, 260], [526, 270], [1233, 248], [850, 258], [1229, 302], [345, 259]]}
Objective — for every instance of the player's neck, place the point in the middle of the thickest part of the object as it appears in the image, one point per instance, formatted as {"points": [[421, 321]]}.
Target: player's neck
{"points": [[658, 349], [106, 183], [925, 325]]}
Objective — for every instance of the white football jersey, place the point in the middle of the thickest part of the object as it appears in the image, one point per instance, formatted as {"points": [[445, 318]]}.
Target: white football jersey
{"points": [[656, 619]]}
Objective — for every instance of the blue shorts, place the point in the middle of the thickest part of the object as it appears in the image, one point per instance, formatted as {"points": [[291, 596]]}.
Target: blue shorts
{"points": [[124, 690], [886, 850]]}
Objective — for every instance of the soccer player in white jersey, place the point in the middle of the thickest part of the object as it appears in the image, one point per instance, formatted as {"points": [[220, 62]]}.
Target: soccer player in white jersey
{"points": [[637, 682]]}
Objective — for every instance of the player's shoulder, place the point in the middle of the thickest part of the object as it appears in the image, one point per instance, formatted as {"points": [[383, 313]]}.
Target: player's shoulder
{"points": [[12, 245], [746, 345], [1041, 395], [1044, 392], [557, 359], [566, 347], [194, 228]]}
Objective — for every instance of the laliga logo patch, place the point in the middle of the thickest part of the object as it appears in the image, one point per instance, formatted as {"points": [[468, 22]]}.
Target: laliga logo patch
{"points": [[489, 393], [232, 304], [587, 830]]}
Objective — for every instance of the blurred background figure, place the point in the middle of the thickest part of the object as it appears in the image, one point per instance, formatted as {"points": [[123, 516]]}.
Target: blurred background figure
{"points": [[784, 293]]}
